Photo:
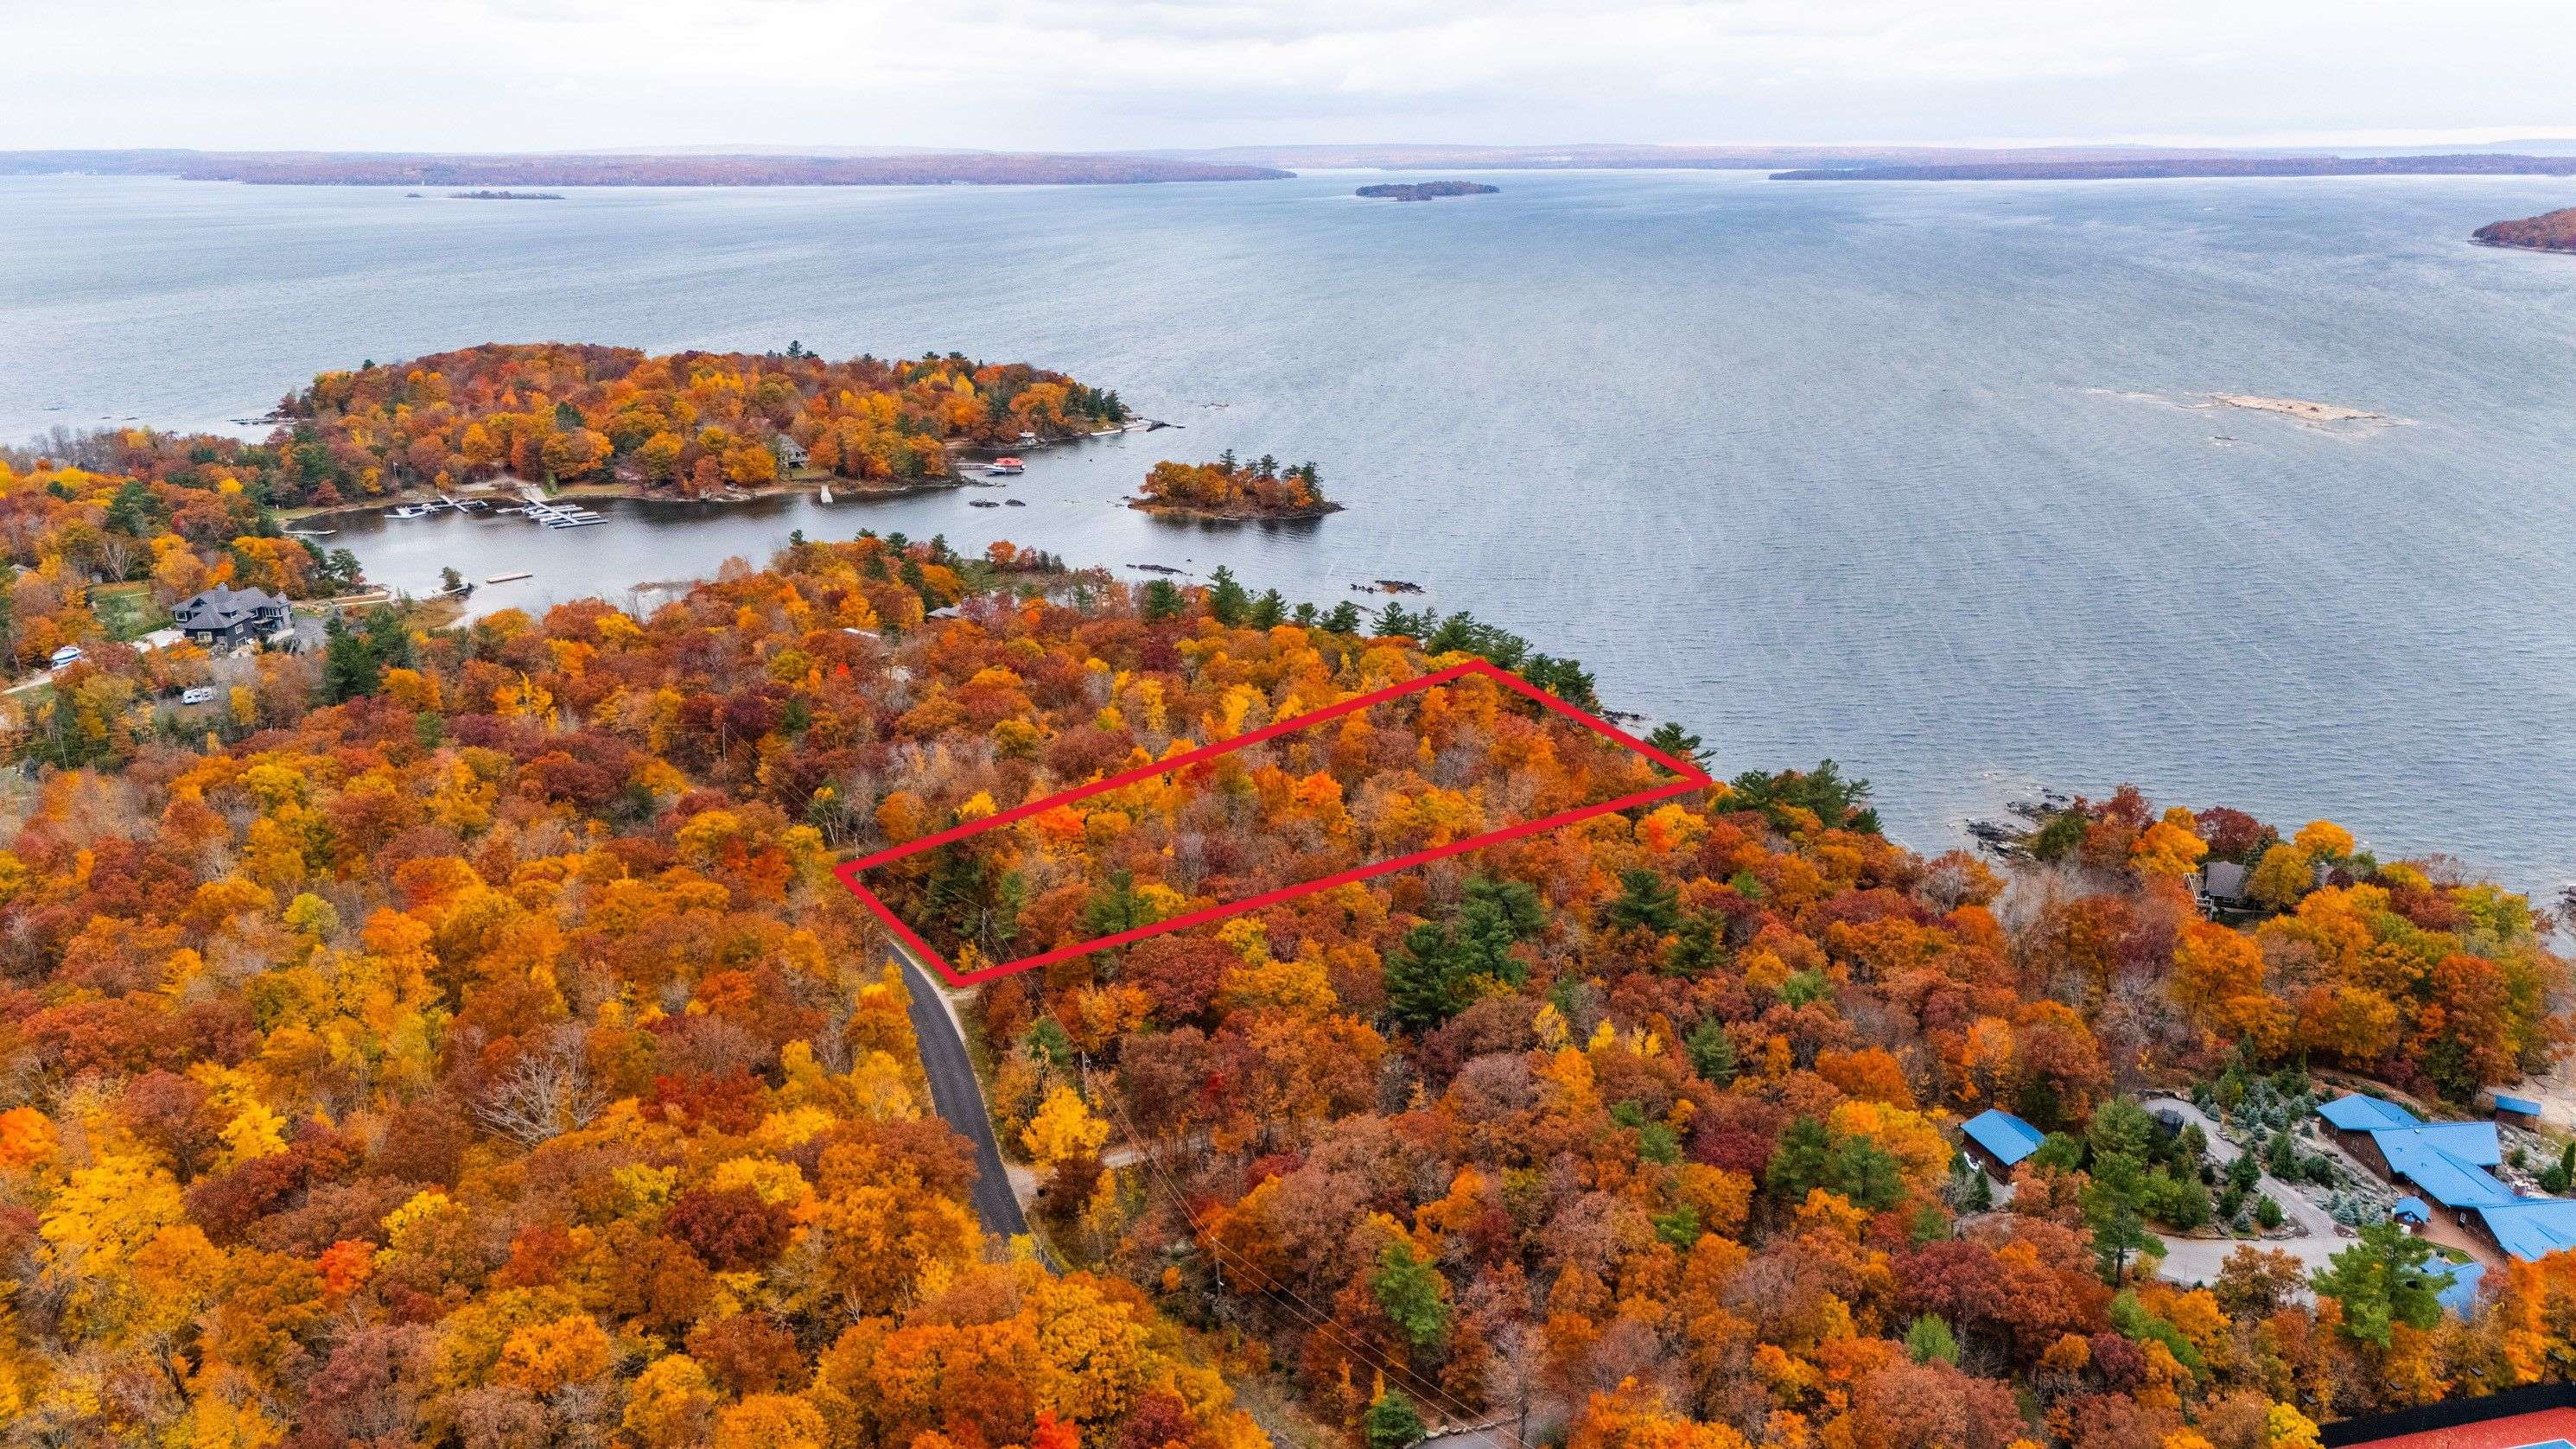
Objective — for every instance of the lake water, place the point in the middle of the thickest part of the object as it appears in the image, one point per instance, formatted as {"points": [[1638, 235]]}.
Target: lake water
{"points": [[1911, 475]]}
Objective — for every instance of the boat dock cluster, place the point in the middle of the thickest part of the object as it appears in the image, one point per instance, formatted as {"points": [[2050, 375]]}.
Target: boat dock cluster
{"points": [[560, 515], [534, 507], [441, 504]]}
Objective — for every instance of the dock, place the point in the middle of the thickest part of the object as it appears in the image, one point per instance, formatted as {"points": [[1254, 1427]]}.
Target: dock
{"points": [[507, 578], [557, 515]]}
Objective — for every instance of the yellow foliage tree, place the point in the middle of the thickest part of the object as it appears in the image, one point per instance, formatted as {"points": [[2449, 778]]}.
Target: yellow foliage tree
{"points": [[1063, 1129]]}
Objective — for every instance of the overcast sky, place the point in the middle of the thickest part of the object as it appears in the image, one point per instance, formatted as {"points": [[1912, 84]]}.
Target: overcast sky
{"points": [[1105, 74]]}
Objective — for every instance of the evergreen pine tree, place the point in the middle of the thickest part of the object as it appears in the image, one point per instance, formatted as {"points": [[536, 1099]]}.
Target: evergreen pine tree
{"points": [[1422, 978], [1228, 602], [1646, 902], [1391, 1421], [1679, 743]]}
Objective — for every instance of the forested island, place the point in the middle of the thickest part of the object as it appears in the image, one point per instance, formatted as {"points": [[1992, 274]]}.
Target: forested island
{"points": [[328, 168], [2551, 231], [1230, 489], [457, 1034], [613, 419], [1427, 190]]}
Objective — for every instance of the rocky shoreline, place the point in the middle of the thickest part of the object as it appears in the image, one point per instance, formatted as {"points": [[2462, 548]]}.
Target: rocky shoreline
{"points": [[1231, 515], [2304, 411], [2551, 231]]}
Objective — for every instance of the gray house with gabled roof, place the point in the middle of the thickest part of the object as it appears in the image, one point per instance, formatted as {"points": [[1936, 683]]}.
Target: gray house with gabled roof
{"points": [[224, 616]]}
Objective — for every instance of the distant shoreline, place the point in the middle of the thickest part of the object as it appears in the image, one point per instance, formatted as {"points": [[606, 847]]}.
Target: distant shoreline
{"points": [[429, 169], [2186, 168]]}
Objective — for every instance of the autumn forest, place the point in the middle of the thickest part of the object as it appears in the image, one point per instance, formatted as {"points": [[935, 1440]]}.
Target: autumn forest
{"points": [[457, 1036]]}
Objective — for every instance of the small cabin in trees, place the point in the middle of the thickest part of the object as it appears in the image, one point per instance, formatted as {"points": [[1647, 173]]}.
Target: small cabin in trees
{"points": [[1997, 1141], [791, 454], [2222, 887]]}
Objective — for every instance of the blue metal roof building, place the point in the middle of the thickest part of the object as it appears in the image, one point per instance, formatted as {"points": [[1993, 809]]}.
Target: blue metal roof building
{"points": [[2353, 1112], [2519, 1106], [2005, 1137], [2474, 1143], [2532, 1227], [2446, 1178]]}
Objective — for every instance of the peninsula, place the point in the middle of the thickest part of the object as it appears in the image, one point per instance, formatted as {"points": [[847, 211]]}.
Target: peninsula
{"points": [[2551, 231], [1230, 490], [614, 421], [1426, 190]]}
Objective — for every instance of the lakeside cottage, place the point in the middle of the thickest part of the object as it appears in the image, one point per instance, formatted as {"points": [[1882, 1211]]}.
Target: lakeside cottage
{"points": [[224, 616], [791, 454], [2222, 887], [1997, 1141]]}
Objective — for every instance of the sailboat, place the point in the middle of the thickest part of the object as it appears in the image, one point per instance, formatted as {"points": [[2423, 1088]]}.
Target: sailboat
{"points": [[825, 495]]}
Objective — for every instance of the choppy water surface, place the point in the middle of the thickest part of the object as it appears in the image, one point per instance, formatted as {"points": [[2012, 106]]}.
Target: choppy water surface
{"points": [[1913, 475]]}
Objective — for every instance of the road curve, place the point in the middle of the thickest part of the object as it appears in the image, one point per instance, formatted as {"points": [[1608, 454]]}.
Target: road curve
{"points": [[959, 1098], [2197, 1260]]}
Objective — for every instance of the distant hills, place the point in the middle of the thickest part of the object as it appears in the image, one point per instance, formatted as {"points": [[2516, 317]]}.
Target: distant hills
{"points": [[347, 168], [2551, 231], [2462, 163], [854, 166], [1600, 156]]}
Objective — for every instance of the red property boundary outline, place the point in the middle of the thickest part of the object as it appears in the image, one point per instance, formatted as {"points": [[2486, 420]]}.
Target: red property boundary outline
{"points": [[1692, 777]]}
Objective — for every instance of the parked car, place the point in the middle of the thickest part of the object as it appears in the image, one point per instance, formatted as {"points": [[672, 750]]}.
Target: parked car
{"points": [[68, 654], [200, 694]]}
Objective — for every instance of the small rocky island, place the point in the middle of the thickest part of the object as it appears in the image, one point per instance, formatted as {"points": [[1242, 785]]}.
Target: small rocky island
{"points": [[1233, 491], [1426, 190], [2551, 231], [505, 196]]}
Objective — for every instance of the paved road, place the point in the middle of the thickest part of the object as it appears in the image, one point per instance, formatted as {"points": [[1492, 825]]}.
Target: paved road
{"points": [[959, 1097], [2197, 1260]]}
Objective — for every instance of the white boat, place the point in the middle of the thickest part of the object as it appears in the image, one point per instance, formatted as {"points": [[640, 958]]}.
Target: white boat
{"points": [[409, 510], [824, 494], [1027, 438], [1004, 467]]}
